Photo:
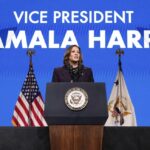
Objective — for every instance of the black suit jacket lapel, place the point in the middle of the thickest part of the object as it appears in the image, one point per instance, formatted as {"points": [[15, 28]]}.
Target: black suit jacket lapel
{"points": [[66, 75], [82, 77]]}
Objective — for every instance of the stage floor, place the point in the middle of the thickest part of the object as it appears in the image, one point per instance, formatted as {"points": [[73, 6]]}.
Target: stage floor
{"points": [[115, 138]]}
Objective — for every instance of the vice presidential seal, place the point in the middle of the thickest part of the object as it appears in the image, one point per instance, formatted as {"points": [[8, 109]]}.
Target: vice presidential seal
{"points": [[76, 98]]}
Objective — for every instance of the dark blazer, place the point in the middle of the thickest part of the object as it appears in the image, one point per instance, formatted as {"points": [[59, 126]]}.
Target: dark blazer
{"points": [[62, 75]]}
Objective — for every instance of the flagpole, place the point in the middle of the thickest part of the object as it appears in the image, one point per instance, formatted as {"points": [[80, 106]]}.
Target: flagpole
{"points": [[119, 52], [30, 53]]}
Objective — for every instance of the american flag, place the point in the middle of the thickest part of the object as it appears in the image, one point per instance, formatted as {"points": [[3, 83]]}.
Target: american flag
{"points": [[29, 108]]}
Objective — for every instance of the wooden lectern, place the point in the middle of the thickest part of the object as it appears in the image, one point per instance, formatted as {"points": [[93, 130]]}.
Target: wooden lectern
{"points": [[75, 128]]}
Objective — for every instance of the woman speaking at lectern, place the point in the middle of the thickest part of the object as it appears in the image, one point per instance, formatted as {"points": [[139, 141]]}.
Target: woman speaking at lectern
{"points": [[73, 69]]}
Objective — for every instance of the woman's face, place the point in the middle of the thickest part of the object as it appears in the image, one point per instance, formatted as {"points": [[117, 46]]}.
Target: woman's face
{"points": [[74, 54]]}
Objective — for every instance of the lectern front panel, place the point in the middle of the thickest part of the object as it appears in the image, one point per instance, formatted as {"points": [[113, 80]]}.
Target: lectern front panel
{"points": [[57, 112]]}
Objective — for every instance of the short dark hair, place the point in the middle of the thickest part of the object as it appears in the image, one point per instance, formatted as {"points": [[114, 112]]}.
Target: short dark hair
{"points": [[67, 54]]}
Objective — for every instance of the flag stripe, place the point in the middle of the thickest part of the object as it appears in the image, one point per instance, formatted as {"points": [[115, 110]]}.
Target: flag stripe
{"points": [[37, 103], [20, 123], [36, 114], [40, 100], [24, 100], [23, 112], [21, 116], [36, 106], [35, 123], [23, 105], [15, 121]]}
